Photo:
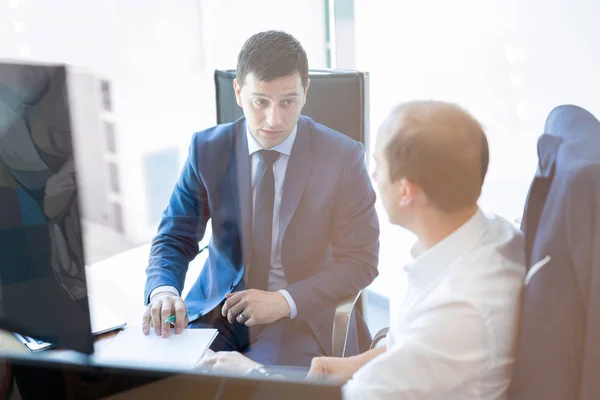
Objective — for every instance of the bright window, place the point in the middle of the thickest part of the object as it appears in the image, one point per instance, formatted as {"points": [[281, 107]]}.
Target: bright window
{"points": [[508, 62]]}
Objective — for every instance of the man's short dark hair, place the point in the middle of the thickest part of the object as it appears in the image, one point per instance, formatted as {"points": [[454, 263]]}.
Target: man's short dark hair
{"points": [[442, 149], [270, 55]]}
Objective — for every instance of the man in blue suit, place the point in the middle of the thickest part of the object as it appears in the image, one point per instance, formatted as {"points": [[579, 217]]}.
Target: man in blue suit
{"points": [[292, 213]]}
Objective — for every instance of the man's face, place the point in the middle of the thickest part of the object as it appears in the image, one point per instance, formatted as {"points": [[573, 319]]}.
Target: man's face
{"points": [[271, 108], [381, 175], [395, 196]]}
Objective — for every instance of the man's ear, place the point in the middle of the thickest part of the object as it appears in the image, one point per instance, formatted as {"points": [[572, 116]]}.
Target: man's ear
{"points": [[306, 91], [237, 88], [406, 192]]}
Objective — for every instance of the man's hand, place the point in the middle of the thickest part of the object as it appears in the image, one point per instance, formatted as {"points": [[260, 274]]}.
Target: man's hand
{"points": [[161, 307], [333, 369], [255, 307], [341, 369], [229, 362]]}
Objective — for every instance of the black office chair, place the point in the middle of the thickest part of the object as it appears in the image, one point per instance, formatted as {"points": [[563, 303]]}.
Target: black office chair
{"points": [[339, 100]]}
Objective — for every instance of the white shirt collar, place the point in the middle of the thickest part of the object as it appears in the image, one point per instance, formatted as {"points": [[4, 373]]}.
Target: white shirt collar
{"points": [[428, 264], [284, 147]]}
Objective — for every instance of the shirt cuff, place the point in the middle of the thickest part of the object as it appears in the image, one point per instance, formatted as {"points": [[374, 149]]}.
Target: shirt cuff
{"points": [[292, 304], [161, 289]]}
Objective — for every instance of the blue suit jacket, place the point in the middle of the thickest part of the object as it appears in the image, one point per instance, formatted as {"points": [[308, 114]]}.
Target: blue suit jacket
{"points": [[328, 223], [559, 343]]}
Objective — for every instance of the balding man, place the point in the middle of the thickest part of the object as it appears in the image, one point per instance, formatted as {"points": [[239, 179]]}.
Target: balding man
{"points": [[453, 335]]}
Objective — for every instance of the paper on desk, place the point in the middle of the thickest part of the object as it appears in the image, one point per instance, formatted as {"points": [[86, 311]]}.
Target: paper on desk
{"points": [[132, 348]]}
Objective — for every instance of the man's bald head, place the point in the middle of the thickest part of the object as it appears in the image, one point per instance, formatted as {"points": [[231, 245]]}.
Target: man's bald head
{"points": [[439, 147]]}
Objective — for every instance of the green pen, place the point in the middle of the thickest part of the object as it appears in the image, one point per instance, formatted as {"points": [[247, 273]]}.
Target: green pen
{"points": [[172, 318]]}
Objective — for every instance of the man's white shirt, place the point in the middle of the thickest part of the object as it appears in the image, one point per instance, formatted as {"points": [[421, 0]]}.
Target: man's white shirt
{"points": [[453, 336]]}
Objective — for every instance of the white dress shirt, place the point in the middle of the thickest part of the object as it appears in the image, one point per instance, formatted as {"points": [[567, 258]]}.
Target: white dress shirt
{"points": [[453, 336], [277, 280]]}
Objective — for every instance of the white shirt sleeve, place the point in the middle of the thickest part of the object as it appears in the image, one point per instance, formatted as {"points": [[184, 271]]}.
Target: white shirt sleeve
{"points": [[291, 302], [441, 350], [160, 289]]}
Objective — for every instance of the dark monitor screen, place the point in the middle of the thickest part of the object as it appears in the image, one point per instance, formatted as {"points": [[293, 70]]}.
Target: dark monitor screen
{"points": [[43, 289]]}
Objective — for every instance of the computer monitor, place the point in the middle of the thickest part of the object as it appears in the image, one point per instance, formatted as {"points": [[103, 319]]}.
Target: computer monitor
{"points": [[43, 289]]}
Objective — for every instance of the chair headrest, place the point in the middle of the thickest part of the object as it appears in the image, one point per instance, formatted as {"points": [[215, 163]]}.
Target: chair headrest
{"points": [[572, 122]]}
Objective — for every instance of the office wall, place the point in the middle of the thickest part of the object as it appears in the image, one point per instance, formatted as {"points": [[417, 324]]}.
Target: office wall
{"points": [[159, 57]]}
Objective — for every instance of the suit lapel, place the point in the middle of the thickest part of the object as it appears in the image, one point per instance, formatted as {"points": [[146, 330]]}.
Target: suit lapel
{"points": [[241, 172], [296, 176]]}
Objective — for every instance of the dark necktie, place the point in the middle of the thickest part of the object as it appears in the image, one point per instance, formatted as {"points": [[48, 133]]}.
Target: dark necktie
{"points": [[262, 226]]}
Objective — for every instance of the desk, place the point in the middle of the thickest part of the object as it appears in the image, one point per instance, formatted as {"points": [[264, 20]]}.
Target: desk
{"points": [[118, 282]]}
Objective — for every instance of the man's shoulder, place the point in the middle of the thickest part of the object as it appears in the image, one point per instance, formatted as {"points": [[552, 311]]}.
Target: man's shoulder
{"points": [[494, 267], [501, 245], [217, 133], [497, 258], [326, 136], [506, 239]]}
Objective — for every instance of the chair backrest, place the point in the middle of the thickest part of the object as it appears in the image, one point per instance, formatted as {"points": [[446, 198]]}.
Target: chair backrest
{"points": [[558, 352], [336, 98]]}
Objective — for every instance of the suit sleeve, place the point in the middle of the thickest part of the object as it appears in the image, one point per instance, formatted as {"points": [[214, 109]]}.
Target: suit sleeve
{"points": [[355, 244], [181, 228]]}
